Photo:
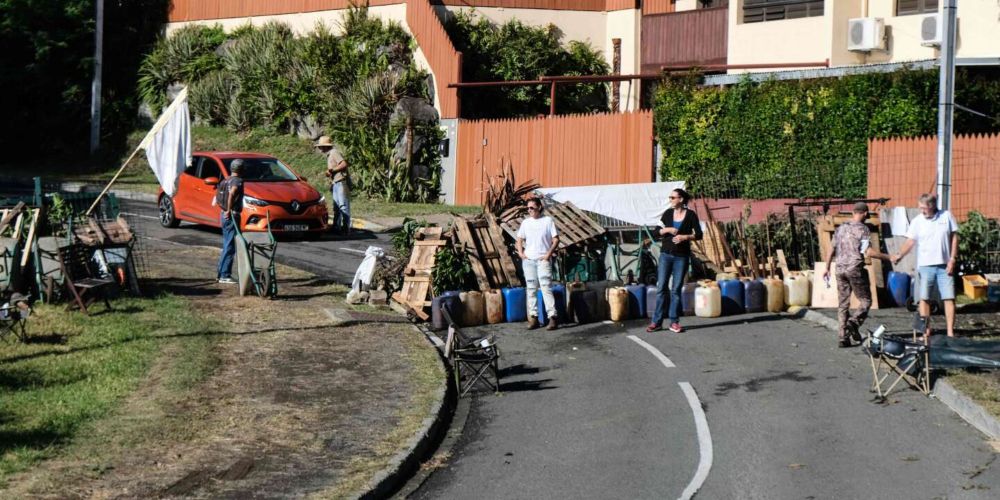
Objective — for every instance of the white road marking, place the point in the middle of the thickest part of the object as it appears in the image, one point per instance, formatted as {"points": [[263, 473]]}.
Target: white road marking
{"points": [[141, 216], [704, 442], [362, 252], [656, 352]]}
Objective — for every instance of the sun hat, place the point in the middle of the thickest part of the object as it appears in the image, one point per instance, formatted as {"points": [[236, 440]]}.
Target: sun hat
{"points": [[324, 141]]}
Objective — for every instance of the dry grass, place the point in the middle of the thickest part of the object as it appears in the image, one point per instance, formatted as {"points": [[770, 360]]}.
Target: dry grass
{"points": [[983, 388]]}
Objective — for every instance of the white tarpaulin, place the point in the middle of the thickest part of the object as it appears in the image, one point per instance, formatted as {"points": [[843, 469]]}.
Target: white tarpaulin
{"points": [[639, 204], [168, 143]]}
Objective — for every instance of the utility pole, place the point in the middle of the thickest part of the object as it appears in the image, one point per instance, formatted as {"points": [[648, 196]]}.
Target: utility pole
{"points": [[95, 86], [946, 103]]}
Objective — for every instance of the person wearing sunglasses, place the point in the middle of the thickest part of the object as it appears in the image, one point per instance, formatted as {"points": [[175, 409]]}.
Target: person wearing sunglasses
{"points": [[537, 239], [680, 227]]}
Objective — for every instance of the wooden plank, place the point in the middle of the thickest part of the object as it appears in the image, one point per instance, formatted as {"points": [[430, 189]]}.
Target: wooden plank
{"points": [[568, 233], [782, 263], [489, 253], [26, 252], [471, 252], [595, 227], [9, 215], [506, 262], [824, 297]]}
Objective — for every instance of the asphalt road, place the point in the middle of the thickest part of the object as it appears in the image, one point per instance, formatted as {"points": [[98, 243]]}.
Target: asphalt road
{"points": [[587, 412], [331, 257]]}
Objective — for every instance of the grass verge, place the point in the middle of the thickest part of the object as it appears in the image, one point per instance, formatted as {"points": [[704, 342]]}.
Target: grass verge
{"points": [[983, 388], [425, 376], [77, 369]]}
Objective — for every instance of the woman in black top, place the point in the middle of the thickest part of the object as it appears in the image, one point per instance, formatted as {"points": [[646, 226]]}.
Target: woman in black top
{"points": [[680, 228]]}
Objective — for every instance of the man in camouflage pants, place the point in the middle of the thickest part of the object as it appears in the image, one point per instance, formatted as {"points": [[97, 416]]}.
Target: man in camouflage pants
{"points": [[850, 244]]}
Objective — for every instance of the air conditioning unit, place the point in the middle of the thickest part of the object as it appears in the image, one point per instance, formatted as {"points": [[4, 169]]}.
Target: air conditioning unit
{"points": [[865, 34], [931, 30]]}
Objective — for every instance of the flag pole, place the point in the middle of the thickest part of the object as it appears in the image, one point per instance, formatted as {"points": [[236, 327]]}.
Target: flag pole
{"points": [[160, 123]]}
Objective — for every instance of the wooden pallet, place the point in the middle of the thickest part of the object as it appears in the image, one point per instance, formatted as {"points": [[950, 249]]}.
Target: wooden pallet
{"points": [[482, 243], [99, 233], [419, 273], [575, 227]]}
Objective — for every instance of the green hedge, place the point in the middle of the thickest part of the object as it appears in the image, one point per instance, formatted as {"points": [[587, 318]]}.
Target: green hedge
{"points": [[808, 138]]}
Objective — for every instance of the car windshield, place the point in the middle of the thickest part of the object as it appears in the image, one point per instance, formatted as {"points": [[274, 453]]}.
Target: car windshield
{"points": [[263, 170]]}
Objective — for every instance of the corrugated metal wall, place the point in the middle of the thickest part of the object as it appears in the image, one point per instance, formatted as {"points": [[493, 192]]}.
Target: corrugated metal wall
{"points": [[658, 6], [903, 169], [688, 37], [194, 10], [572, 150], [445, 61]]}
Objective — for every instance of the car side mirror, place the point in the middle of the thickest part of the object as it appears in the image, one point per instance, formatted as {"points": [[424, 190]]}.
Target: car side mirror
{"points": [[212, 181]]}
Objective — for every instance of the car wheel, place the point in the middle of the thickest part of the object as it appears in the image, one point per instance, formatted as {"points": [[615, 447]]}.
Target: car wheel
{"points": [[167, 216]]}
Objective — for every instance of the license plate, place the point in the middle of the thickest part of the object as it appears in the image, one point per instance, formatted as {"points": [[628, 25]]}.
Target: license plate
{"points": [[296, 227]]}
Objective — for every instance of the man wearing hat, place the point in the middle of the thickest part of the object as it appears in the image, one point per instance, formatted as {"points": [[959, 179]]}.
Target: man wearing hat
{"points": [[340, 188], [850, 245], [229, 196]]}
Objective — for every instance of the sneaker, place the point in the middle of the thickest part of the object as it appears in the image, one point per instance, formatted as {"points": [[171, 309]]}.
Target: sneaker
{"points": [[532, 323], [844, 342], [227, 280], [654, 328], [552, 324], [676, 327], [855, 333]]}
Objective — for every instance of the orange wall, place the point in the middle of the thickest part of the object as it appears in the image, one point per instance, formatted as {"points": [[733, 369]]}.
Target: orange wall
{"points": [[195, 10], [444, 60], [570, 150], [903, 169]]}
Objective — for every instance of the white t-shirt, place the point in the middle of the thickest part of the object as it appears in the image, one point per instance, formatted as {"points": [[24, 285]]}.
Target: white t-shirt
{"points": [[933, 237], [537, 235]]}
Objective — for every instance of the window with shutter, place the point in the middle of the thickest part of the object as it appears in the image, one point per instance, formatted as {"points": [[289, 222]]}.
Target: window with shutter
{"points": [[756, 11], [909, 7]]}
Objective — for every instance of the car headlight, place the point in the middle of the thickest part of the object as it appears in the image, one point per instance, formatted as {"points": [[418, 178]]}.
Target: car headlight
{"points": [[250, 200]]}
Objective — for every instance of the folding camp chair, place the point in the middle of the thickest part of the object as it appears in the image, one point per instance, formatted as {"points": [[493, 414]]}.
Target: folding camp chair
{"points": [[14, 312], [892, 355], [478, 358], [84, 284]]}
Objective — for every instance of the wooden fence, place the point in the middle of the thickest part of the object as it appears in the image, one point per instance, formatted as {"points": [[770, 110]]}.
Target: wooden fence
{"points": [[658, 6], [445, 61], [571, 150], [902, 169]]}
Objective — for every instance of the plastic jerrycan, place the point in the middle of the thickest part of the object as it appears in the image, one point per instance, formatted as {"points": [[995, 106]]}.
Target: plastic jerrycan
{"points": [[732, 296], [651, 292], [687, 298], [618, 298], [573, 292], [899, 288], [585, 306], [450, 300], [775, 294], [558, 293], [708, 301], [636, 301], [796, 290], [473, 308], [494, 307], [754, 296], [515, 304]]}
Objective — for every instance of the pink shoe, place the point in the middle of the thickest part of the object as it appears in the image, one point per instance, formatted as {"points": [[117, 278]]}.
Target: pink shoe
{"points": [[653, 328], [676, 327]]}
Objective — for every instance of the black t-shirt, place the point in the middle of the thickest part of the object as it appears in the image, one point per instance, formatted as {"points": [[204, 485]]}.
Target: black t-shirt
{"points": [[223, 193], [690, 225]]}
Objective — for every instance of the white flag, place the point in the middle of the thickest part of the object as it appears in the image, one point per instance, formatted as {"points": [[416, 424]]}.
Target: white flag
{"points": [[168, 143]]}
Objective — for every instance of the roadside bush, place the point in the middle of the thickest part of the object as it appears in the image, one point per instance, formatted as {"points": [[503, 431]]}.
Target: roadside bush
{"points": [[516, 51], [805, 138], [361, 87]]}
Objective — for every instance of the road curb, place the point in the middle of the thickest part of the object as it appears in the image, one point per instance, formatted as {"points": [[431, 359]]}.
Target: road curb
{"points": [[76, 187], [422, 445], [962, 405], [367, 225]]}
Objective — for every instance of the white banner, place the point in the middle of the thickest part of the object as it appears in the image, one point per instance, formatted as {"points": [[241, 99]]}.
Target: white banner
{"points": [[168, 143], [639, 204]]}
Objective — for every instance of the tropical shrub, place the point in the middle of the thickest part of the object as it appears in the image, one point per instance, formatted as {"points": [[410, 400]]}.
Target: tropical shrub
{"points": [[516, 51], [801, 138]]}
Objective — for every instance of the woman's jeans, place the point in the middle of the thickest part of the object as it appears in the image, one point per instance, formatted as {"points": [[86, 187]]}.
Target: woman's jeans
{"points": [[673, 267], [538, 274]]}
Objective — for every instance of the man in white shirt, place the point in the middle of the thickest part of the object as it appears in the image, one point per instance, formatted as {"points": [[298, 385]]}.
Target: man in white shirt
{"points": [[935, 233], [537, 238]]}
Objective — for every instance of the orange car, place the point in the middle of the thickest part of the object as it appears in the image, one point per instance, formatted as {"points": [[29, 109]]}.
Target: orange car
{"points": [[269, 187]]}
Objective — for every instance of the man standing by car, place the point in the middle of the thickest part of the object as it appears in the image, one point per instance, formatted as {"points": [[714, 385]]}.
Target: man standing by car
{"points": [[229, 197], [850, 243], [537, 238], [340, 188], [935, 233]]}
